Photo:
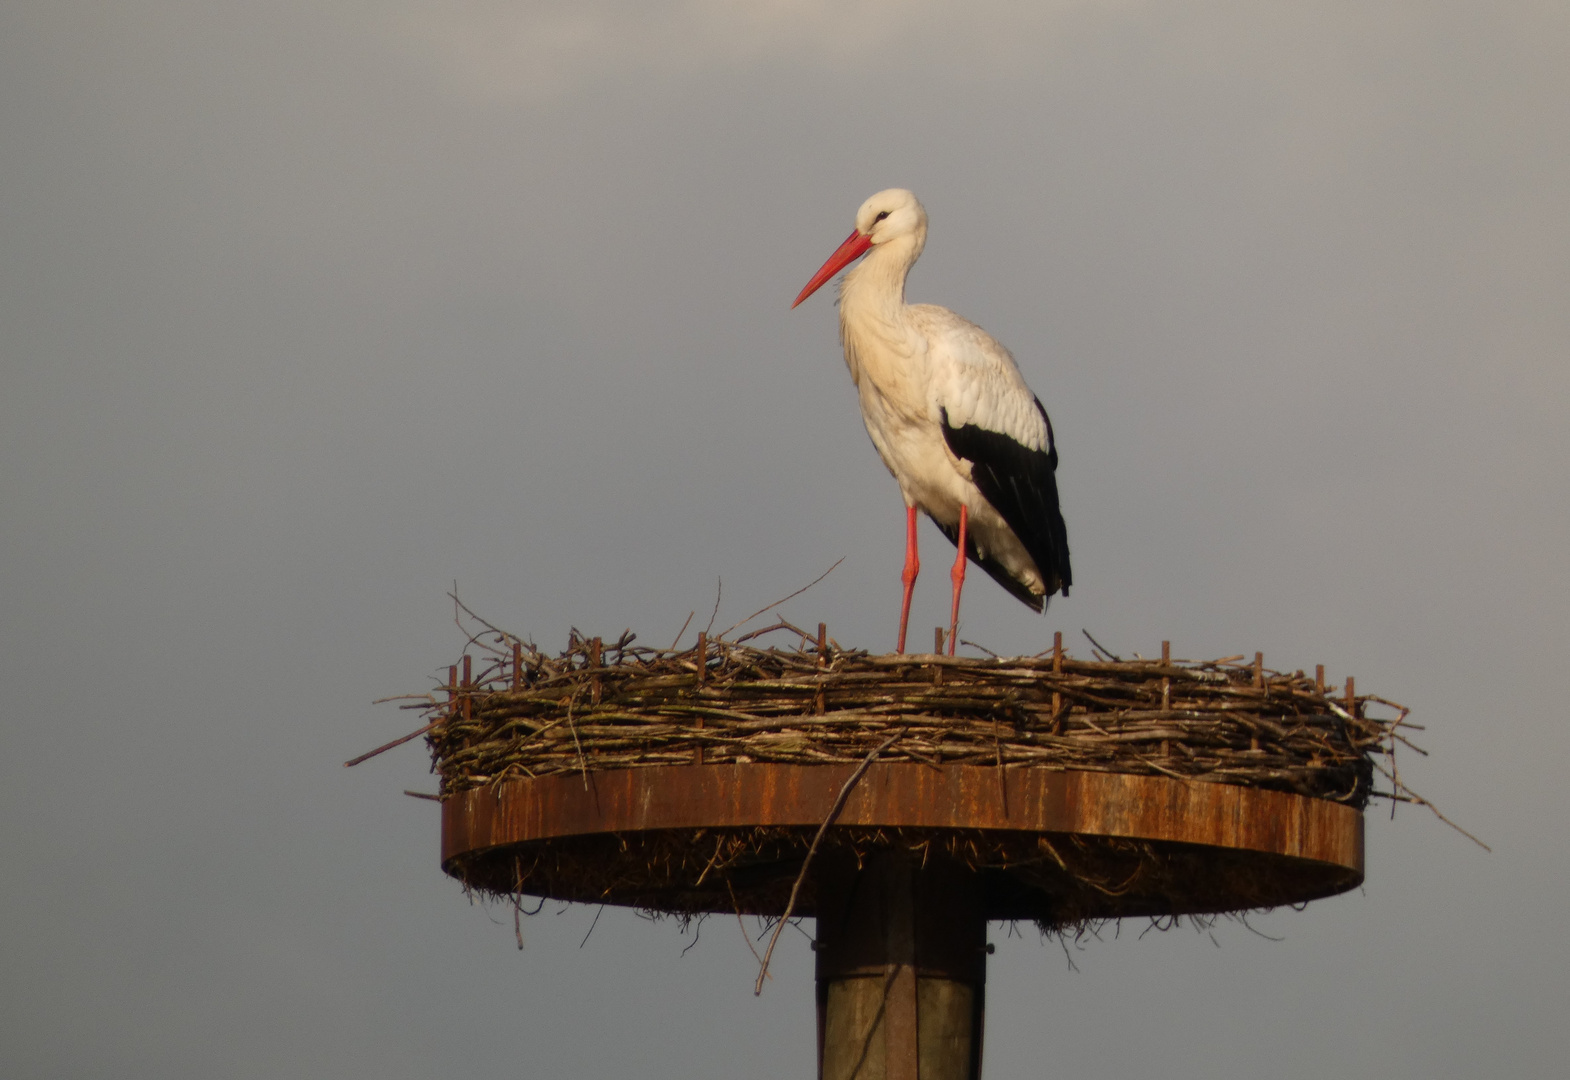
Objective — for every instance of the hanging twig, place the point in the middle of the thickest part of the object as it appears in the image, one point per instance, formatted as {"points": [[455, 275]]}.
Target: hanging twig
{"points": [[744, 935], [592, 925], [834, 813]]}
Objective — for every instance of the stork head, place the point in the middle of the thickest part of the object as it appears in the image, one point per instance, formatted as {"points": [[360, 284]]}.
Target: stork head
{"points": [[889, 216], [892, 214]]}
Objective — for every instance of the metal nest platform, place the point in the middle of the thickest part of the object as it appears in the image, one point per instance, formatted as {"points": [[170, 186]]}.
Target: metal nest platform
{"points": [[697, 780], [1051, 847]]}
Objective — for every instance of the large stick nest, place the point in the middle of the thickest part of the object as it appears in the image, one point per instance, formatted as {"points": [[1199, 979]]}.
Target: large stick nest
{"points": [[620, 706]]}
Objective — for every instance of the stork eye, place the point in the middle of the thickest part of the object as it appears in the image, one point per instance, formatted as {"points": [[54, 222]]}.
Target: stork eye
{"points": [[881, 215]]}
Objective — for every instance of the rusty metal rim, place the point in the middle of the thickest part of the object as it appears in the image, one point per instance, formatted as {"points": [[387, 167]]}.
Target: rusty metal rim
{"points": [[902, 795]]}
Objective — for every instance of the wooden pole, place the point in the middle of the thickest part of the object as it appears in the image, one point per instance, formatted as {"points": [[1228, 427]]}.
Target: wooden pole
{"points": [[818, 701], [468, 683], [1057, 669], [901, 969]]}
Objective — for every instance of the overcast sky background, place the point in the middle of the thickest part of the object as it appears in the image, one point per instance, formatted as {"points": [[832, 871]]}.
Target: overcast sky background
{"points": [[307, 311]]}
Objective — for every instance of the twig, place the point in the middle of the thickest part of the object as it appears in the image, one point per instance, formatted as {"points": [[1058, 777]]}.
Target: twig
{"points": [[719, 591], [983, 648], [583, 763], [719, 845], [697, 931], [517, 902], [997, 749], [474, 638], [396, 742], [780, 601], [834, 813], [744, 935], [1413, 796], [422, 795], [1097, 646], [682, 631], [781, 625]]}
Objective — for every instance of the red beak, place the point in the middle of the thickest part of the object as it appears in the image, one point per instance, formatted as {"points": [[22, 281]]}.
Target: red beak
{"points": [[852, 249]]}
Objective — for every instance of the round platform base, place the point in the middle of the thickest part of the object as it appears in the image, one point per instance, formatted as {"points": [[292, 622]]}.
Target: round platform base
{"points": [[1054, 847]]}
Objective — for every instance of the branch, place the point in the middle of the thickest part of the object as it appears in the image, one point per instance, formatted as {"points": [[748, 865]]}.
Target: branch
{"points": [[396, 742], [780, 601], [839, 804]]}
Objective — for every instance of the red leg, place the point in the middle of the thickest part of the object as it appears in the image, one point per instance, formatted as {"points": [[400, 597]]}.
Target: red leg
{"points": [[957, 575], [912, 568]]}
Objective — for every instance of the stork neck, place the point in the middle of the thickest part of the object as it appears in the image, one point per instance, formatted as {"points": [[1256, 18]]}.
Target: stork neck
{"points": [[875, 289]]}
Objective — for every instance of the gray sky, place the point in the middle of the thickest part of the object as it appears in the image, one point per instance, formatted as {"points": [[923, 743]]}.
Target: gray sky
{"points": [[306, 313]]}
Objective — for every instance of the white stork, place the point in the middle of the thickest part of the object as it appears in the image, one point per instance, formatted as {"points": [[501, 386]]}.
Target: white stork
{"points": [[950, 415]]}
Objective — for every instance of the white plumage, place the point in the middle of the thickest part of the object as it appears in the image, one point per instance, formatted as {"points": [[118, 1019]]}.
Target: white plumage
{"points": [[949, 413]]}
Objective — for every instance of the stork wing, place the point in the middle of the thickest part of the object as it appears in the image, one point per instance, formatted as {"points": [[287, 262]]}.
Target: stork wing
{"points": [[1022, 486], [991, 420]]}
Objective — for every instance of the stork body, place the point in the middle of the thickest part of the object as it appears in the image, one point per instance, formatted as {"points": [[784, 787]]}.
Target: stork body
{"points": [[949, 414]]}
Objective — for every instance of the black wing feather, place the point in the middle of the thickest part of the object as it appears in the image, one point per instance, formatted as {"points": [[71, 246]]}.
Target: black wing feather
{"points": [[1022, 486]]}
